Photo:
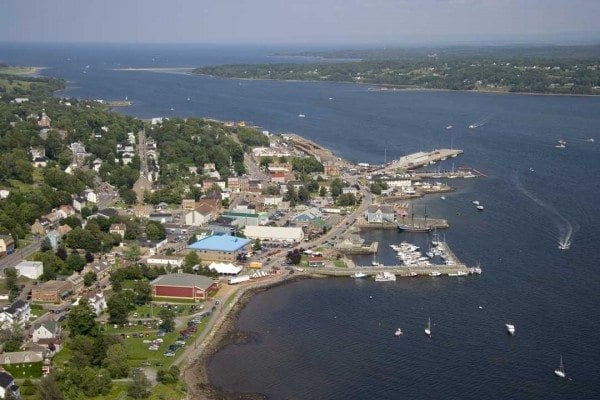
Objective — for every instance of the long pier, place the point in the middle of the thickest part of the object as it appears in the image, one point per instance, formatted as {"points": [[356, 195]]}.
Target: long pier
{"points": [[420, 159]]}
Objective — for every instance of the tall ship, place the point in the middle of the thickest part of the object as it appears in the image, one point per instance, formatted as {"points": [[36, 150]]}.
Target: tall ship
{"points": [[414, 228]]}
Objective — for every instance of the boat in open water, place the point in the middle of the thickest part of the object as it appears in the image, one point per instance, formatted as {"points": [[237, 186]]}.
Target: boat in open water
{"points": [[358, 275], [560, 371]]}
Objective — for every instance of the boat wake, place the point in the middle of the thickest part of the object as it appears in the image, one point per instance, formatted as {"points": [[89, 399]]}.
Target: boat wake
{"points": [[566, 228], [480, 122]]}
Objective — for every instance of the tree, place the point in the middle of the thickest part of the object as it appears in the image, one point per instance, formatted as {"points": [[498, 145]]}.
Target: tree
{"points": [[46, 244], [75, 262], [256, 245], [155, 231], [335, 187], [168, 376], [312, 186], [323, 191], [116, 361], [127, 195], [48, 389], [89, 278], [294, 257], [82, 239], [139, 387], [346, 199], [72, 220], [119, 305], [10, 282], [143, 292], [303, 194], [191, 259], [168, 319], [12, 337], [82, 320], [117, 286], [89, 257], [132, 253]]}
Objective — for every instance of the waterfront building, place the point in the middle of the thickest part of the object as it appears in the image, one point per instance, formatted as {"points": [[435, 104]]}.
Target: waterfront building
{"points": [[183, 286], [274, 233], [379, 213], [221, 247]]}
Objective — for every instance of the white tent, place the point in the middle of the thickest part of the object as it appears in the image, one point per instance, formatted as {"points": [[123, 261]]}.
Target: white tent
{"points": [[225, 269]]}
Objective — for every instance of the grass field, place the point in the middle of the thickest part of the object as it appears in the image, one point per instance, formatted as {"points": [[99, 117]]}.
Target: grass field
{"points": [[30, 370], [18, 70]]}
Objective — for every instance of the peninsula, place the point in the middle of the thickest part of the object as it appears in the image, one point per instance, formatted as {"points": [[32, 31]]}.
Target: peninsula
{"points": [[547, 70]]}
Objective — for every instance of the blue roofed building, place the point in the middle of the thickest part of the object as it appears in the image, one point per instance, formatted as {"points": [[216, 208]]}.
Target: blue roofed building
{"points": [[221, 247]]}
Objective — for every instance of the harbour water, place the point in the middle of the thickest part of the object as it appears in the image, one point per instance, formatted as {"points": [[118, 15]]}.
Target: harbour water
{"points": [[327, 338]]}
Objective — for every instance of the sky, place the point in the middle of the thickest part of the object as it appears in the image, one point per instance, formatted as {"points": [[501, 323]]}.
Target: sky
{"points": [[301, 21]]}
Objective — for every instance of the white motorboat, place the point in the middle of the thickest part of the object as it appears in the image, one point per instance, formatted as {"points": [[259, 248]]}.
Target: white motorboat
{"points": [[385, 277], [472, 126], [358, 275], [476, 202], [398, 332], [480, 207], [435, 273], [449, 127], [428, 329], [560, 371], [301, 116], [443, 197], [458, 273], [510, 328], [560, 146]]}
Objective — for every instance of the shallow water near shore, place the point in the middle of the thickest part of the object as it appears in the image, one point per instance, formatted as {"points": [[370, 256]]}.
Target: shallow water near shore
{"points": [[318, 339]]}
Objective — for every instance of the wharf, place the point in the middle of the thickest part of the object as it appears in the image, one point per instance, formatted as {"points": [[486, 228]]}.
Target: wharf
{"points": [[421, 159], [313, 149], [354, 248], [431, 223]]}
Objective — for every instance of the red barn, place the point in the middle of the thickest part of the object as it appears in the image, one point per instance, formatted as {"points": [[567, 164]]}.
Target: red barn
{"points": [[184, 286]]}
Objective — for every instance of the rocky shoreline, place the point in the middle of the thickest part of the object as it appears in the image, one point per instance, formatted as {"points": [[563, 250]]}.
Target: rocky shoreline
{"points": [[195, 374]]}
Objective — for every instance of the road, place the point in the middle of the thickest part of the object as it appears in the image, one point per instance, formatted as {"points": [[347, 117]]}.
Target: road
{"points": [[106, 194]]}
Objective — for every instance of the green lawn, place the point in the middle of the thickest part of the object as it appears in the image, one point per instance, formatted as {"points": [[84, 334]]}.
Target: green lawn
{"points": [[339, 264], [29, 370]]}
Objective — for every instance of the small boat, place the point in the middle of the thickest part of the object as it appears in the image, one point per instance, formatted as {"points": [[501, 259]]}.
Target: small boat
{"points": [[591, 140], [398, 332], [476, 202], [472, 126], [188, 99], [449, 127], [480, 208], [510, 328], [560, 146], [428, 329], [331, 98], [385, 277], [172, 109], [375, 263], [561, 141], [443, 197], [560, 371], [358, 275], [301, 116], [458, 273], [435, 273]]}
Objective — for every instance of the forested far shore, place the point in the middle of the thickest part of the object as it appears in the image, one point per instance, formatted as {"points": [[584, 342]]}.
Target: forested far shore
{"points": [[560, 70]]}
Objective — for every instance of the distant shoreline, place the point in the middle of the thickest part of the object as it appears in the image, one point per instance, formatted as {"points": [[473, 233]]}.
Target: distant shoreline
{"points": [[379, 87]]}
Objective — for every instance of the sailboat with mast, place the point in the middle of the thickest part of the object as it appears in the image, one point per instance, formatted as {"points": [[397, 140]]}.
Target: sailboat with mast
{"points": [[414, 228], [428, 329], [560, 371]]}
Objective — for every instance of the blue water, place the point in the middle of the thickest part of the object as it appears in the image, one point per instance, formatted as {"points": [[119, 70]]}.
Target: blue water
{"points": [[326, 338]]}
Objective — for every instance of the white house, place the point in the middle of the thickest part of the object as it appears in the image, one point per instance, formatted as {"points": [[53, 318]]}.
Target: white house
{"points": [[289, 234], [45, 330], [98, 303], [91, 196], [379, 213], [18, 312], [30, 269]]}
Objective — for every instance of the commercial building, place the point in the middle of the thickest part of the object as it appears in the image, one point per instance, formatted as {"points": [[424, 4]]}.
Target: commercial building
{"points": [[30, 269], [183, 286], [7, 244], [51, 291], [221, 247], [275, 233]]}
